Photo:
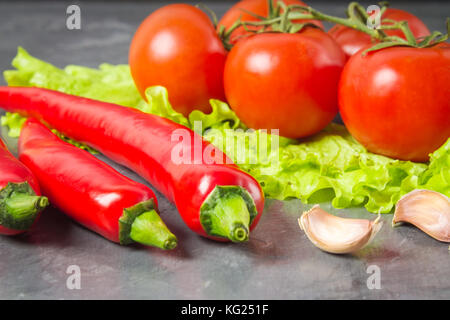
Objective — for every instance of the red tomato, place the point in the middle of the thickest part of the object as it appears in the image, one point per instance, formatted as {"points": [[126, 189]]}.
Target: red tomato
{"points": [[396, 101], [259, 7], [352, 40], [177, 47], [285, 81]]}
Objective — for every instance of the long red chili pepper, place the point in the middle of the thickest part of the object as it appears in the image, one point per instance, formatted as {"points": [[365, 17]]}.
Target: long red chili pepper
{"points": [[215, 200], [20, 200], [91, 192]]}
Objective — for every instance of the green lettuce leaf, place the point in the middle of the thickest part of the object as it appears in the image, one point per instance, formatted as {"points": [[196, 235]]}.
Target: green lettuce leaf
{"points": [[329, 166], [437, 176], [220, 117], [158, 103], [14, 122], [107, 83]]}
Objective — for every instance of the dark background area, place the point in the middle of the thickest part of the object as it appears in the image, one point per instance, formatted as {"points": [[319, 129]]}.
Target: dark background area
{"points": [[39, 26]]}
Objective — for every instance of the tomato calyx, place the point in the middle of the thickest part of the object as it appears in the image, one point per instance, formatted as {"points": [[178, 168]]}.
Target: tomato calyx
{"points": [[433, 39], [359, 19], [282, 17]]}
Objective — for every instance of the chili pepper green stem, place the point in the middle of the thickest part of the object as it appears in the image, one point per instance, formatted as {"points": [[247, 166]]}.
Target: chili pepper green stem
{"points": [[230, 219], [19, 206], [228, 213], [149, 229], [312, 14], [351, 22], [22, 205]]}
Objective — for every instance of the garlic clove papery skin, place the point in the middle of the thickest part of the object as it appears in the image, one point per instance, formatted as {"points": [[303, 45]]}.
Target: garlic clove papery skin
{"points": [[335, 234], [427, 210]]}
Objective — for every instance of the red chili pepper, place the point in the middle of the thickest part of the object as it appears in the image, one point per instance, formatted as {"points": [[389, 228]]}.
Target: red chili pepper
{"points": [[20, 200], [215, 200], [91, 192]]}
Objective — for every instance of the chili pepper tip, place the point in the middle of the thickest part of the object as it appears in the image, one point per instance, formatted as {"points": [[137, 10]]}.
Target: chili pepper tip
{"points": [[226, 214], [240, 234], [43, 202], [149, 229], [170, 244]]}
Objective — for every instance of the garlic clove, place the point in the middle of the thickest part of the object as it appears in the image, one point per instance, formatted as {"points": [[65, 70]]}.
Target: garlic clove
{"points": [[335, 234], [427, 210]]}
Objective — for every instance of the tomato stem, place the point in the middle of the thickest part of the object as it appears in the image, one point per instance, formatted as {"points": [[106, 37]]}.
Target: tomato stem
{"points": [[281, 19], [21, 205], [225, 34]]}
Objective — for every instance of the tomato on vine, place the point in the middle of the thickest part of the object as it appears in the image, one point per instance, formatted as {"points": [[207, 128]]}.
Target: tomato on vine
{"points": [[177, 47], [352, 40], [249, 10], [285, 81], [396, 101]]}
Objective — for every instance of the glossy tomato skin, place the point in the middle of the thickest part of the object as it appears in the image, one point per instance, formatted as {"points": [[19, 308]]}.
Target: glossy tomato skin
{"points": [[396, 101], [259, 7], [285, 81], [177, 47], [352, 40]]}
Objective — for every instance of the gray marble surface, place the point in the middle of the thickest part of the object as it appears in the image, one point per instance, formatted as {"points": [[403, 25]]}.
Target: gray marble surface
{"points": [[278, 262]]}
